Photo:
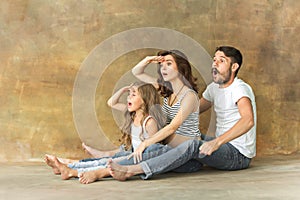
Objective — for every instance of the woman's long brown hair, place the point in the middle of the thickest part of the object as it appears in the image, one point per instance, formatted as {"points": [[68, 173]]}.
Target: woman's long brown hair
{"points": [[184, 69]]}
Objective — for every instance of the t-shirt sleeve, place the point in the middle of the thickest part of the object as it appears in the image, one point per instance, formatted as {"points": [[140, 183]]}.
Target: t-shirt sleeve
{"points": [[207, 94], [242, 90]]}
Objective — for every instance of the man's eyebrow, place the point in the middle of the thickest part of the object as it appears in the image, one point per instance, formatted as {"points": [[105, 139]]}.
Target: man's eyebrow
{"points": [[225, 57]]}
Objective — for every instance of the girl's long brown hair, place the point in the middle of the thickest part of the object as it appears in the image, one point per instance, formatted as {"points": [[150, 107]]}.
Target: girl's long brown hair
{"points": [[151, 106]]}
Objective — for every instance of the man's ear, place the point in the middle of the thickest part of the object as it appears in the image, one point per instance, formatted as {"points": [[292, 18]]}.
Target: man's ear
{"points": [[234, 67]]}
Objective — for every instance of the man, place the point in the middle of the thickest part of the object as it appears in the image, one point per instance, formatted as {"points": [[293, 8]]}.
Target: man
{"points": [[234, 144]]}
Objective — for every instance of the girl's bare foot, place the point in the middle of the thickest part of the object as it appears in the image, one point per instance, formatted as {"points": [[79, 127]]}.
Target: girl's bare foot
{"points": [[92, 176], [93, 152], [66, 172], [119, 172], [66, 160], [49, 160]]}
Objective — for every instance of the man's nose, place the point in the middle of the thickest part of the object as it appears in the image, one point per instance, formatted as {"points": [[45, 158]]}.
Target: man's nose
{"points": [[215, 63]]}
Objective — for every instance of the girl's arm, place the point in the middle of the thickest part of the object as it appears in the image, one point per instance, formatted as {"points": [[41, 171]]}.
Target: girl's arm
{"points": [[113, 101], [139, 70]]}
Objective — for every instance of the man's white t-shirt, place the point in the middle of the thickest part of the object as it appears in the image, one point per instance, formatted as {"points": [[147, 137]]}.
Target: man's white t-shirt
{"points": [[227, 113]]}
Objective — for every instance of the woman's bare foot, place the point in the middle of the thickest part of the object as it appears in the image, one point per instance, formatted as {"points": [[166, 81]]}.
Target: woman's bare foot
{"points": [[119, 172], [49, 160], [66, 172], [93, 152], [92, 176]]}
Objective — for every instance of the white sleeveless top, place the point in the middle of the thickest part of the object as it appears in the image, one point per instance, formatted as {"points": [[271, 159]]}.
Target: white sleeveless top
{"points": [[136, 133]]}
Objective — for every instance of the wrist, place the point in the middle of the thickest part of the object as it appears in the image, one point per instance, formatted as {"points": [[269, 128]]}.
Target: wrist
{"points": [[219, 141], [146, 143], [146, 61]]}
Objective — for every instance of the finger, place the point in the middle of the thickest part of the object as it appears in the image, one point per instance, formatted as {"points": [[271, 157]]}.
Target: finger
{"points": [[201, 147], [134, 159], [130, 156], [140, 156]]}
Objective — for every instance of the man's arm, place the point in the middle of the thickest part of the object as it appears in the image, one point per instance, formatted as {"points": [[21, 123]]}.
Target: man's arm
{"points": [[245, 123], [204, 105]]}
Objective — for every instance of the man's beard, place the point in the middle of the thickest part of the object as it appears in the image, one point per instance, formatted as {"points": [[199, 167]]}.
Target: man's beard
{"points": [[222, 79]]}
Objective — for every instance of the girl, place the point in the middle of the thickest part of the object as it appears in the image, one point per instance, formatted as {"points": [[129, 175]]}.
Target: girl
{"points": [[143, 118], [181, 105]]}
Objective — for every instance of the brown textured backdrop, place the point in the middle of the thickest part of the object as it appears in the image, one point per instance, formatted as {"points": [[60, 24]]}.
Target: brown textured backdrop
{"points": [[43, 43]]}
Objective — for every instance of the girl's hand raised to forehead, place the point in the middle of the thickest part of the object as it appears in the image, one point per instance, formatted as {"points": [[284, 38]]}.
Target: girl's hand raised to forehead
{"points": [[126, 88]]}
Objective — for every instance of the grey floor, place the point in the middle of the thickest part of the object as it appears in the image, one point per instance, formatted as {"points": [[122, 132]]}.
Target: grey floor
{"points": [[276, 177]]}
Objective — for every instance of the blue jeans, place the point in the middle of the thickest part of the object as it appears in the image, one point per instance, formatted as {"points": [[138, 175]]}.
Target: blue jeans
{"points": [[227, 157], [91, 164], [150, 152], [156, 150]]}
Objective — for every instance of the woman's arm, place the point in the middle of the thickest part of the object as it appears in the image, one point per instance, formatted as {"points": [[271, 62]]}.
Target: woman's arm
{"points": [[189, 104], [151, 127], [113, 101], [139, 70]]}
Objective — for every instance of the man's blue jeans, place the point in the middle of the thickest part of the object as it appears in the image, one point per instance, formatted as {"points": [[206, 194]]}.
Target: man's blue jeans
{"points": [[227, 157]]}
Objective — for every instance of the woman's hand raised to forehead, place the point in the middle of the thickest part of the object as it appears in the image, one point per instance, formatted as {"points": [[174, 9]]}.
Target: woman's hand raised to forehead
{"points": [[154, 59]]}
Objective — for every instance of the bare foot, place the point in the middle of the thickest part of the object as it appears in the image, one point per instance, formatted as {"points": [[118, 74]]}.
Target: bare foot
{"points": [[66, 172], [66, 160], [92, 176], [119, 172], [49, 160], [93, 152]]}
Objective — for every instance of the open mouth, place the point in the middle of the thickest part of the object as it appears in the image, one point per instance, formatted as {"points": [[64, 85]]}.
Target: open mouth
{"points": [[214, 71], [129, 104]]}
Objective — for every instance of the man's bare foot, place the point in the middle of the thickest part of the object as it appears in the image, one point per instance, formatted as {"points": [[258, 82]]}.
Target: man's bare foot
{"points": [[49, 160], [119, 172], [66, 172], [93, 152], [92, 176]]}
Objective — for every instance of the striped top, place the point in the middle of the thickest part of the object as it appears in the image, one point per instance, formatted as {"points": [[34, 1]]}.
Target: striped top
{"points": [[190, 126]]}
